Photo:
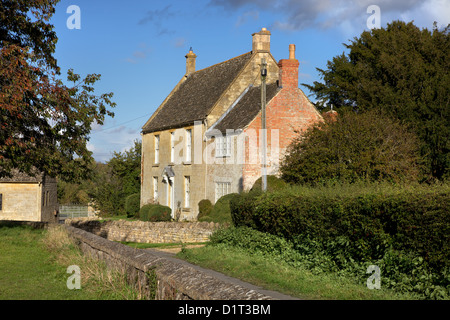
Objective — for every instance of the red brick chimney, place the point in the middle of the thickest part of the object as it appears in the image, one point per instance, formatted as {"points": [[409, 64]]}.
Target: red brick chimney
{"points": [[289, 70]]}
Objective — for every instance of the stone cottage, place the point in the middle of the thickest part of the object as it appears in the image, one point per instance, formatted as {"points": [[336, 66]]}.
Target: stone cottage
{"points": [[204, 140], [28, 198]]}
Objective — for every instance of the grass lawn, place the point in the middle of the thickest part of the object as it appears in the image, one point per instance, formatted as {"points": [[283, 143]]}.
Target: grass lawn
{"points": [[33, 266], [28, 271], [273, 275]]}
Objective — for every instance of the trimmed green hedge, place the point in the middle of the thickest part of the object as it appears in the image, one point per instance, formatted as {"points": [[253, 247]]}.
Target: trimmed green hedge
{"points": [[155, 213], [132, 204], [204, 208], [221, 210], [367, 219]]}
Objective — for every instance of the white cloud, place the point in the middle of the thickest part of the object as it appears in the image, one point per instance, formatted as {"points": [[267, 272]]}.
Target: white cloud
{"points": [[347, 16], [104, 143]]}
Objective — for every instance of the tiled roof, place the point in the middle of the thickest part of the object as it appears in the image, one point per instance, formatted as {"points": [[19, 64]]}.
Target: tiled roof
{"points": [[246, 109], [197, 95], [17, 176]]}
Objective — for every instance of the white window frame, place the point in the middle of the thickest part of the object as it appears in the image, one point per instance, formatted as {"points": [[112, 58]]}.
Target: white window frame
{"points": [[188, 145], [172, 147], [187, 191], [155, 189], [157, 140], [223, 146], [222, 188]]}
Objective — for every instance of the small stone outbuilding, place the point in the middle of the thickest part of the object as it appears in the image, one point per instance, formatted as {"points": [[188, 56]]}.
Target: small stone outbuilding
{"points": [[28, 198]]}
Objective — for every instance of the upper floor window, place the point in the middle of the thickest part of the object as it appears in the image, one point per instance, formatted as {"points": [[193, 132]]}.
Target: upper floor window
{"points": [[223, 146], [172, 146], [188, 144], [156, 148]]}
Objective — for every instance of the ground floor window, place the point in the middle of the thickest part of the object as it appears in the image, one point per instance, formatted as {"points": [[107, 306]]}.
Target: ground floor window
{"points": [[222, 189], [187, 191], [1, 202], [155, 189]]}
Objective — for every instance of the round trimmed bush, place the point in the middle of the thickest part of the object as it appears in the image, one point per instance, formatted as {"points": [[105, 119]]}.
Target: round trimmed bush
{"points": [[132, 205], [273, 184], [204, 208], [155, 213], [221, 211]]}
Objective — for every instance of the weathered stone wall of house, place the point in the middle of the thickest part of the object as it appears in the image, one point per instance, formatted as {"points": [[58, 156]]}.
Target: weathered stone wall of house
{"points": [[147, 232], [195, 169], [160, 278], [21, 201], [226, 169], [251, 74]]}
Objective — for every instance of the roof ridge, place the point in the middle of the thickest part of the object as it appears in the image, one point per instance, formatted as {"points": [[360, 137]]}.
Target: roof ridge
{"points": [[219, 63]]}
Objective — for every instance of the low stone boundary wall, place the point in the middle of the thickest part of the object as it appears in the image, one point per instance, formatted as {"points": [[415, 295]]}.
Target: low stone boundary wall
{"points": [[147, 232], [157, 277]]}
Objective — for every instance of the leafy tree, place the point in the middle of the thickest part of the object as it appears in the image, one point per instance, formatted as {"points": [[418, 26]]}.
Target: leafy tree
{"points": [[110, 183], [24, 23], [402, 71], [127, 167], [367, 146], [44, 124]]}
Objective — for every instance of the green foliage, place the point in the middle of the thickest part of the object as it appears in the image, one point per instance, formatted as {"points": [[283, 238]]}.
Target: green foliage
{"points": [[273, 183], [402, 271], [127, 167], [109, 184], [45, 124], [133, 204], [221, 211], [242, 208], [366, 221], [155, 213], [204, 208], [403, 71], [368, 146]]}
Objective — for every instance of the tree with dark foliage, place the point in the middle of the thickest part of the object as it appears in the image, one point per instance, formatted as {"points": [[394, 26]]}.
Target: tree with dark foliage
{"points": [[44, 124], [402, 71]]}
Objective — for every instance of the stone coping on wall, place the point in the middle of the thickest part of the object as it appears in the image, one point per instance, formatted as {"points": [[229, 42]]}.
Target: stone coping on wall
{"points": [[174, 280], [147, 232]]}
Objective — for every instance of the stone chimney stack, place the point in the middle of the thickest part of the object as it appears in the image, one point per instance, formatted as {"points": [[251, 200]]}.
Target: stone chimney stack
{"points": [[261, 41], [190, 62], [289, 70]]}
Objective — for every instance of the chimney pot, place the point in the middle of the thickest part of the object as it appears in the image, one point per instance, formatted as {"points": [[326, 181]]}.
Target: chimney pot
{"points": [[292, 51]]}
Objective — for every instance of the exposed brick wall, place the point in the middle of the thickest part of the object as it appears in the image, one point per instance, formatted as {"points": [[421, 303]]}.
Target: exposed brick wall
{"points": [[288, 73], [288, 113]]}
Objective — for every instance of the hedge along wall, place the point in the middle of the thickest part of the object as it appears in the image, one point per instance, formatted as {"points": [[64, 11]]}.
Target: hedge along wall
{"points": [[147, 232], [415, 220]]}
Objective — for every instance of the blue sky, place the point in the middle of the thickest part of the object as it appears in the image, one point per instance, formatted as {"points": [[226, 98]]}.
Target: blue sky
{"points": [[139, 46]]}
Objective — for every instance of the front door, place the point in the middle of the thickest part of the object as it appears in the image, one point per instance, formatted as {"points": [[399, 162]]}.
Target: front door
{"points": [[170, 194]]}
